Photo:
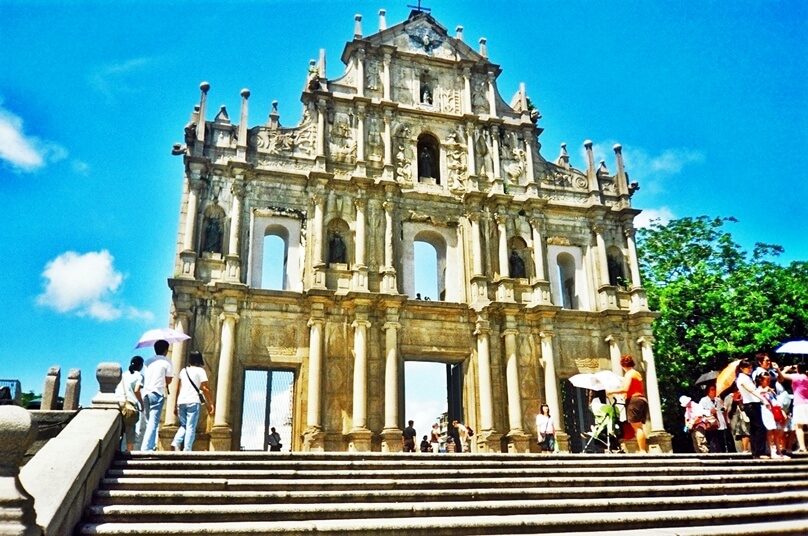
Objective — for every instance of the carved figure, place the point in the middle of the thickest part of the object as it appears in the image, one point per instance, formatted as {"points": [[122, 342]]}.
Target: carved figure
{"points": [[213, 237], [425, 165], [336, 249], [426, 93], [402, 164], [516, 266]]}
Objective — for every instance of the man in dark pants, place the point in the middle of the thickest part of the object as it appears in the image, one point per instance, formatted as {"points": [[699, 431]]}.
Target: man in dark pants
{"points": [[408, 437]]}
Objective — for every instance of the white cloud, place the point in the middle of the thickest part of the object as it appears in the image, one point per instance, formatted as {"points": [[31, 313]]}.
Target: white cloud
{"points": [[117, 78], [663, 214], [85, 285], [24, 153]]}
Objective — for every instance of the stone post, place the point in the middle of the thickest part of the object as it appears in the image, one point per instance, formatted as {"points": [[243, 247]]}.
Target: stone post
{"points": [[497, 157], [241, 143], [108, 376], [388, 145], [17, 434], [50, 393], [538, 249], [321, 110], [195, 188], [72, 390], [472, 163], [634, 263], [313, 435], [360, 71], [361, 117]]}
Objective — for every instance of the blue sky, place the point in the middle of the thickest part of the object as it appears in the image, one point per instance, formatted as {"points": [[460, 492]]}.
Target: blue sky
{"points": [[708, 100]]}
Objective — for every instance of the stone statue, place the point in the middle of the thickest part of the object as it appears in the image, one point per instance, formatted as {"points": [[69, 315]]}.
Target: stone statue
{"points": [[425, 165], [426, 93], [336, 250], [213, 237], [516, 266]]}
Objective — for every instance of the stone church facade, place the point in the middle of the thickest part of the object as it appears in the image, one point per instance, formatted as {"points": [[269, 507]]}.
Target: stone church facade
{"points": [[537, 270]]}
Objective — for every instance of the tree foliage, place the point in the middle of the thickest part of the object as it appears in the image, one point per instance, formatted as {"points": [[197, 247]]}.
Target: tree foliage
{"points": [[716, 302]]}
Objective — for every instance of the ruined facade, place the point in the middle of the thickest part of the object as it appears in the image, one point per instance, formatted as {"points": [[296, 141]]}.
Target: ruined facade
{"points": [[537, 277]]}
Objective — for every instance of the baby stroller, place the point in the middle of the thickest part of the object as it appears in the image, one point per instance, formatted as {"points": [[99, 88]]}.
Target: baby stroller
{"points": [[605, 434]]}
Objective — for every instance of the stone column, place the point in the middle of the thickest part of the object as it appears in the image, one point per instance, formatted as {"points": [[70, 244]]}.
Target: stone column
{"points": [[196, 187], [221, 435], [17, 433], [388, 145], [313, 413], [503, 244], [483, 333], [360, 436], [391, 435], [360, 277], [492, 96], [512, 375], [361, 116], [360, 403], [360, 73], [496, 155], [476, 248], [241, 144], [386, 78], [531, 177], [651, 385], [472, 163], [538, 249], [614, 355], [467, 90], [550, 380], [390, 285], [321, 111], [603, 261], [232, 261], [634, 263], [317, 241], [181, 324]]}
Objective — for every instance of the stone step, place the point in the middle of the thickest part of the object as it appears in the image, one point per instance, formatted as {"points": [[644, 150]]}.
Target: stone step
{"points": [[712, 521], [334, 484], [445, 493]]}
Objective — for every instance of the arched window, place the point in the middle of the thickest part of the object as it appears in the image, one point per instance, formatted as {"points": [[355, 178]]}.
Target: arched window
{"points": [[616, 263], [566, 277], [275, 258], [428, 159], [430, 265]]}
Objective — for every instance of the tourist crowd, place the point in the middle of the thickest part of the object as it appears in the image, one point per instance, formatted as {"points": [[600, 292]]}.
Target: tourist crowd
{"points": [[763, 412]]}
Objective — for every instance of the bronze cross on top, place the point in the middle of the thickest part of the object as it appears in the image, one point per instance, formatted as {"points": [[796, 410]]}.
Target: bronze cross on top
{"points": [[419, 8]]}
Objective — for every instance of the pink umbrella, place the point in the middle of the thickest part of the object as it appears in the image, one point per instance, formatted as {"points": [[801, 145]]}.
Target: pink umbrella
{"points": [[161, 334]]}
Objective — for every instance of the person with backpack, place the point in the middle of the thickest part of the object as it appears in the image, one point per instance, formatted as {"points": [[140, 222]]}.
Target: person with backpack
{"points": [[131, 399], [192, 392]]}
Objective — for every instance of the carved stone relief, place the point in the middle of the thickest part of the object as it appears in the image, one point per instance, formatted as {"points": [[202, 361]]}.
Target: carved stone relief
{"points": [[341, 144]]}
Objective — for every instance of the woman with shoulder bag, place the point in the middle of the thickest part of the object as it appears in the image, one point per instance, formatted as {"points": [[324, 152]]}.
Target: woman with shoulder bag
{"points": [[131, 400], [545, 429], [192, 392]]}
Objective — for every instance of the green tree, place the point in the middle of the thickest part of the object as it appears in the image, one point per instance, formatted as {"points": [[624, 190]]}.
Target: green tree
{"points": [[716, 302]]}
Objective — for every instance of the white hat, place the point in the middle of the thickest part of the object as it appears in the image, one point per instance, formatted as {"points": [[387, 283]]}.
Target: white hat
{"points": [[684, 400]]}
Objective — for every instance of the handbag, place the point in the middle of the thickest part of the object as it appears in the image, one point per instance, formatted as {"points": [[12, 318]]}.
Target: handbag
{"points": [[198, 392], [779, 414], [707, 424], [129, 412]]}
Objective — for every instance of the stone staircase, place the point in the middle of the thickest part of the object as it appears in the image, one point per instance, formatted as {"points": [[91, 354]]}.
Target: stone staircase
{"points": [[243, 493]]}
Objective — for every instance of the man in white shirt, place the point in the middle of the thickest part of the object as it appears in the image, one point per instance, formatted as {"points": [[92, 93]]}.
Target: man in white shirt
{"points": [[158, 373]]}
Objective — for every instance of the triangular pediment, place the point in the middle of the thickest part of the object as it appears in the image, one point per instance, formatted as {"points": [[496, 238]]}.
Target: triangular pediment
{"points": [[420, 34]]}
